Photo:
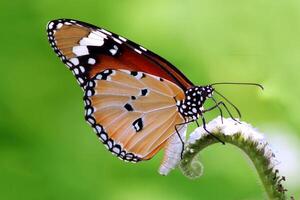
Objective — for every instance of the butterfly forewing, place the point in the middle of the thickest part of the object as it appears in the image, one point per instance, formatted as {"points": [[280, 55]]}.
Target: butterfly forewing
{"points": [[88, 50]]}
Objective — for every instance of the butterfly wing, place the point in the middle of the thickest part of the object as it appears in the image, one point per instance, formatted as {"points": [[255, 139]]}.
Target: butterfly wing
{"points": [[87, 50], [134, 114], [134, 111]]}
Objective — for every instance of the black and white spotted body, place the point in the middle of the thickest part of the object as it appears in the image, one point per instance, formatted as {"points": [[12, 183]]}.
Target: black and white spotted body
{"points": [[192, 106]]}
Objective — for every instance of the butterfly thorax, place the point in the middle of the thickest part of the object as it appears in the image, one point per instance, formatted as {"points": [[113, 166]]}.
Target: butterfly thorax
{"points": [[191, 107]]}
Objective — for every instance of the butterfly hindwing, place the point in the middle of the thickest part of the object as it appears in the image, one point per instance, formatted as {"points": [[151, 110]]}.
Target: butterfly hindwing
{"points": [[131, 116]]}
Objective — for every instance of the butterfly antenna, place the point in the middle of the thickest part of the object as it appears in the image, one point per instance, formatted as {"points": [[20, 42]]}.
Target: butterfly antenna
{"points": [[237, 110], [232, 83]]}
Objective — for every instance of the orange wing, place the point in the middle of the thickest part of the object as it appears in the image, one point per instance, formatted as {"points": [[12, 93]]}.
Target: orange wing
{"points": [[133, 113], [88, 50]]}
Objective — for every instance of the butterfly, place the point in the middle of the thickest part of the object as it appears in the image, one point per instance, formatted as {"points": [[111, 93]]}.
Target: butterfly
{"points": [[137, 102]]}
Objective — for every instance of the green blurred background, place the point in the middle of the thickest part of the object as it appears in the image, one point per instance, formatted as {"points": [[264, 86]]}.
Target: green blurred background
{"points": [[48, 151]]}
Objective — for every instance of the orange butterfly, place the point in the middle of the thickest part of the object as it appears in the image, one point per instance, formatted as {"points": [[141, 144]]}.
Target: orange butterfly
{"points": [[136, 101]]}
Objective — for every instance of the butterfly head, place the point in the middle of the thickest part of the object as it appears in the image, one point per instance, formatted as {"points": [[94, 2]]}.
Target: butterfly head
{"points": [[195, 97], [207, 91], [191, 107]]}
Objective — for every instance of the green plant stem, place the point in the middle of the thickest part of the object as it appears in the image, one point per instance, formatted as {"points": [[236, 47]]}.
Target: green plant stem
{"points": [[268, 175]]}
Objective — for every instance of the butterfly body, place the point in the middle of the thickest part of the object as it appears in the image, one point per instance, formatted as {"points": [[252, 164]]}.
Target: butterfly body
{"points": [[191, 107]]}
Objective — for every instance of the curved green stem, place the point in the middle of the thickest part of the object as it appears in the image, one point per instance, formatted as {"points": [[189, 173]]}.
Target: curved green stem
{"points": [[257, 150]]}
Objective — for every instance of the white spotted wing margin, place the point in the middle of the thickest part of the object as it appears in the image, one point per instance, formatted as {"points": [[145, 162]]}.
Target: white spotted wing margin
{"points": [[133, 113]]}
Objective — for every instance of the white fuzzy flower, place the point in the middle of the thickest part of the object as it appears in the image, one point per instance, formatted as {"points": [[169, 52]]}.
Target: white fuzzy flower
{"points": [[228, 127]]}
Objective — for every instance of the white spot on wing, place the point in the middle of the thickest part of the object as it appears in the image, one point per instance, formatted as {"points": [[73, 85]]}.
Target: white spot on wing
{"points": [[97, 35], [139, 75], [91, 42], [123, 39], [116, 150], [98, 129], [91, 121], [91, 84], [69, 64], [81, 68], [144, 49], [91, 61], [89, 93], [80, 80], [50, 25], [89, 111], [105, 31], [138, 51], [117, 40], [99, 77], [75, 61], [58, 26], [136, 126], [114, 50], [80, 50], [76, 71], [109, 143], [103, 137]]}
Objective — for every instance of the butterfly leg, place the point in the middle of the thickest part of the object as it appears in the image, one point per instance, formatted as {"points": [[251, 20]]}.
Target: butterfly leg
{"points": [[181, 140], [221, 112], [184, 123], [204, 127], [231, 116], [218, 104]]}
